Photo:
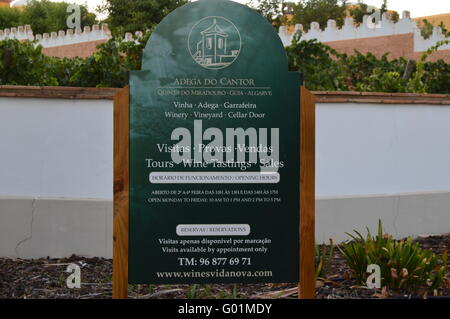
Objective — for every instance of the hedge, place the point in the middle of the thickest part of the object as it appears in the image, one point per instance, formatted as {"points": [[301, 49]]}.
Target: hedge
{"points": [[23, 63]]}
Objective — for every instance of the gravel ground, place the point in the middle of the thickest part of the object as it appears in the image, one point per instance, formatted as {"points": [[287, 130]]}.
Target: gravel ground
{"points": [[46, 278]]}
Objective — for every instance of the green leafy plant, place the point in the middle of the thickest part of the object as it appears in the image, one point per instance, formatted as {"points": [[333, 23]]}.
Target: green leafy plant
{"points": [[323, 256], [324, 69], [233, 294], [381, 81], [426, 28], [25, 64], [418, 82], [9, 17], [317, 62], [305, 12], [207, 291], [43, 16], [404, 265], [110, 64], [192, 292], [136, 15]]}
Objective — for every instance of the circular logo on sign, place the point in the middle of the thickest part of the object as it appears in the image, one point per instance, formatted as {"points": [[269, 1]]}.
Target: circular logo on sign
{"points": [[214, 42]]}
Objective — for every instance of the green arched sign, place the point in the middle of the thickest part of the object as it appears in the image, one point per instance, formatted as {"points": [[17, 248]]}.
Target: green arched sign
{"points": [[214, 151]]}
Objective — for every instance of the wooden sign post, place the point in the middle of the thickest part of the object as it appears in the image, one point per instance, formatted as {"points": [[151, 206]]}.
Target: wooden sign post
{"points": [[121, 194], [213, 157], [307, 285]]}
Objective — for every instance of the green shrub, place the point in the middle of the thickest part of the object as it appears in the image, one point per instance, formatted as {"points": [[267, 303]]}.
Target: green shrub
{"points": [[25, 64], [437, 76], [318, 63], [434, 77], [404, 265], [324, 69], [323, 257], [382, 81], [9, 17], [110, 64], [43, 16]]}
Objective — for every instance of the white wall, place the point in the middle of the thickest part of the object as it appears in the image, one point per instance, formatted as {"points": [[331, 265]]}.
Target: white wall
{"points": [[60, 38], [382, 149], [56, 148], [374, 161], [63, 148], [350, 31]]}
